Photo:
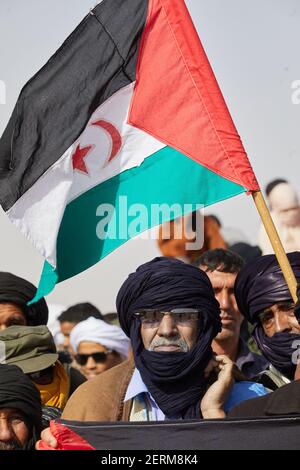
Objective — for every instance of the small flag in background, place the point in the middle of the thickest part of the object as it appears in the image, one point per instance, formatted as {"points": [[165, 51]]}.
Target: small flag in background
{"points": [[127, 107]]}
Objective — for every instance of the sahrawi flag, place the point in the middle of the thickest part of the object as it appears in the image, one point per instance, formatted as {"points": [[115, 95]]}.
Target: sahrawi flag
{"points": [[128, 107]]}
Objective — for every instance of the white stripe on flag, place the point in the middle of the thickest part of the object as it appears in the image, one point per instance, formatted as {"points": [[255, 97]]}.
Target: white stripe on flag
{"points": [[38, 213]]}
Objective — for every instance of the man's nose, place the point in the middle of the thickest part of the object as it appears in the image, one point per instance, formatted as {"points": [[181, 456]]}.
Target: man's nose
{"points": [[6, 433], [91, 363], [282, 323], [224, 300], [168, 326]]}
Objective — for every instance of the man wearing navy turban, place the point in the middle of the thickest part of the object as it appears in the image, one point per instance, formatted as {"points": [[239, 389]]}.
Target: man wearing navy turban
{"points": [[15, 293], [264, 299], [172, 357]]}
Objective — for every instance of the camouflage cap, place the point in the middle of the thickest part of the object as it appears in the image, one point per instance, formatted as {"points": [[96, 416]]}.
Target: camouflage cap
{"points": [[31, 348]]}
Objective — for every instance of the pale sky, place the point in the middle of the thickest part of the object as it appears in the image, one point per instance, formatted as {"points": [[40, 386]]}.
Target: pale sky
{"points": [[254, 50]]}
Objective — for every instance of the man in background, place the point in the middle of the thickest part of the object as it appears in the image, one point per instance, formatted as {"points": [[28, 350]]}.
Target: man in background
{"points": [[74, 315], [285, 209], [176, 235], [98, 346], [15, 293], [222, 268]]}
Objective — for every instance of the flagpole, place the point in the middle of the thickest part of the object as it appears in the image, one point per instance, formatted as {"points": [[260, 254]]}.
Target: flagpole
{"points": [[276, 243]]}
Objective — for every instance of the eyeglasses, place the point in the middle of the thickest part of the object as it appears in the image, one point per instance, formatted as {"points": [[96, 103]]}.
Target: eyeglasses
{"points": [[182, 316], [97, 356]]}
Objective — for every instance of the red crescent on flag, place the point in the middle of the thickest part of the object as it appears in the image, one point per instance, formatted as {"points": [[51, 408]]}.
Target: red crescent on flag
{"points": [[114, 134]]}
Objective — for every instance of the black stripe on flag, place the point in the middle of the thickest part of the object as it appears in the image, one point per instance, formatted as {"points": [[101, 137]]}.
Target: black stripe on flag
{"points": [[95, 61]]}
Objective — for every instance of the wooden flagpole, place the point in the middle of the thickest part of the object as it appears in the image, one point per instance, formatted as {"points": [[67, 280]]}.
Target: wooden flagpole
{"points": [[276, 242]]}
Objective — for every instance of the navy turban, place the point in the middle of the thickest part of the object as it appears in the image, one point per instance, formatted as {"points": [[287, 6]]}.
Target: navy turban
{"points": [[174, 379], [259, 285], [16, 290]]}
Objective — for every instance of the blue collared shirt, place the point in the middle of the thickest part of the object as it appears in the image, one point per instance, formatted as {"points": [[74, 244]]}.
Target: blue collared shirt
{"points": [[240, 391], [137, 388]]}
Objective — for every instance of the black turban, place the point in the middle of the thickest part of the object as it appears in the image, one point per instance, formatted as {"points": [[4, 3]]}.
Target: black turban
{"points": [[18, 391], [175, 379], [258, 286], [19, 291]]}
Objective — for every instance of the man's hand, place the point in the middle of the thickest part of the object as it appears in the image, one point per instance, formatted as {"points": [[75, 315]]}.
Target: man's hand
{"points": [[48, 440], [212, 404]]}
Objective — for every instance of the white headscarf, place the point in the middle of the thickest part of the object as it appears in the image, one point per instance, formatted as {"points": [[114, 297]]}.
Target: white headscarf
{"points": [[284, 202], [285, 211], [97, 331]]}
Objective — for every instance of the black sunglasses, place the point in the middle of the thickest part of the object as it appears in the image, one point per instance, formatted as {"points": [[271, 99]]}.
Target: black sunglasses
{"points": [[97, 356], [41, 373]]}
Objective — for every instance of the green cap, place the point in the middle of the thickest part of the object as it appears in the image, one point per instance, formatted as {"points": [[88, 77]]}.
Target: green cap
{"points": [[31, 348]]}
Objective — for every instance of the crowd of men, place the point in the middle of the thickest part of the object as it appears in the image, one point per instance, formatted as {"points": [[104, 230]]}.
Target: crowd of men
{"points": [[206, 336], [182, 349]]}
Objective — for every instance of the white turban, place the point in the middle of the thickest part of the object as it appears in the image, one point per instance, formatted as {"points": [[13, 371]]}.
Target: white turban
{"points": [[285, 207], [97, 331], [283, 197]]}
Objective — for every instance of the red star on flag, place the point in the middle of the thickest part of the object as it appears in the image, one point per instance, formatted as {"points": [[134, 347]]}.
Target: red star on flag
{"points": [[78, 158]]}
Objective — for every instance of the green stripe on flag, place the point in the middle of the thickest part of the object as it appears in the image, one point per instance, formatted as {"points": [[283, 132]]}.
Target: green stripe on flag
{"points": [[166, 177]]}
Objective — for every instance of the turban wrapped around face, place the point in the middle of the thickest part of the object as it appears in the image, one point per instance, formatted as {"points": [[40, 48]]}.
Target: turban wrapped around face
{"points": [[175, 379], [259, 285]]}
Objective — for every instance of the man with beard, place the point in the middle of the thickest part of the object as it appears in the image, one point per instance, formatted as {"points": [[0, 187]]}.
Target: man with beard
{"points": [[20, 410], [169, 311], [222, 268], [264, 299], [15, 293]]}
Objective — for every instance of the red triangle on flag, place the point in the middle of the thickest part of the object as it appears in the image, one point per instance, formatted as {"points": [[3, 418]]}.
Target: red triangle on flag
{"points": [[177, 98]]}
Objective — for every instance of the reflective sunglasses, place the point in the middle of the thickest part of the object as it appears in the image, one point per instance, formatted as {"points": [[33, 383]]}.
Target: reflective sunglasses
{"points": [[182, 316], [97, 356]]}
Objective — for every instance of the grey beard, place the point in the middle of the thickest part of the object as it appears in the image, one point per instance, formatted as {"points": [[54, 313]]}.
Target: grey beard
{"points": [[11, 445], [177, 341]]}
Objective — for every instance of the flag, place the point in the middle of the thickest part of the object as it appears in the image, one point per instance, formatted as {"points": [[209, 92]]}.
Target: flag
{"points": [[126, 114], [242, 434]]}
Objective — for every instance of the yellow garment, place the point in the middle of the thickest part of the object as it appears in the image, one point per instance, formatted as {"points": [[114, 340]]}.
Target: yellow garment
{"points": [[55, 393]]}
